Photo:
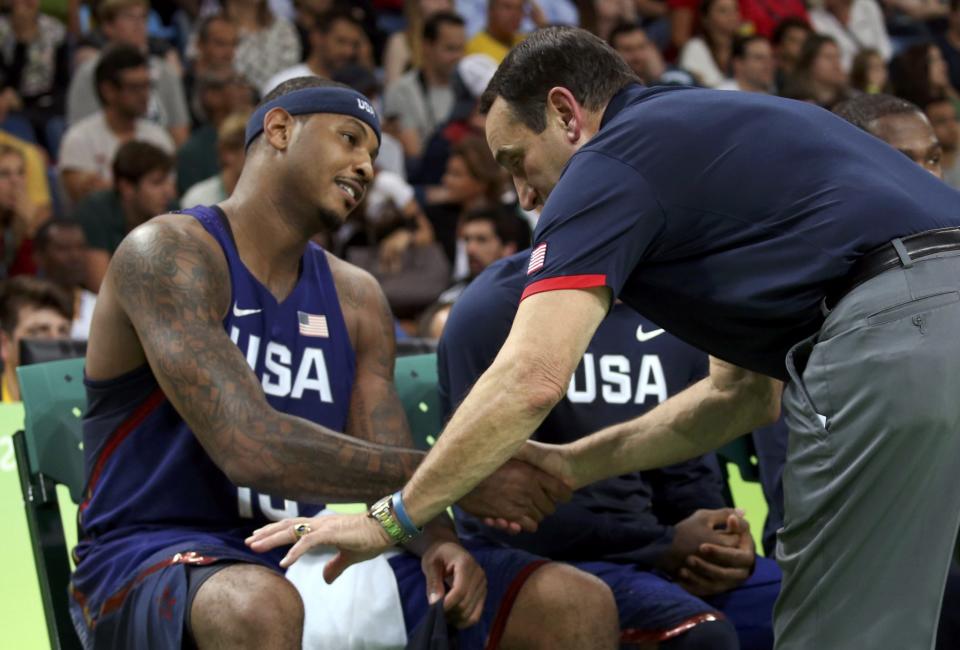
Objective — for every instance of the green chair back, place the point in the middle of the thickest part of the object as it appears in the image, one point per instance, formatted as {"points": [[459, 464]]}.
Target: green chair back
{"points": [[416, 381], [49, 451], [54, 400]]}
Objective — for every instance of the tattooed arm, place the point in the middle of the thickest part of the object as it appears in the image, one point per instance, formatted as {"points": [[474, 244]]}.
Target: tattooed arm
{"points": [[171, 280]]}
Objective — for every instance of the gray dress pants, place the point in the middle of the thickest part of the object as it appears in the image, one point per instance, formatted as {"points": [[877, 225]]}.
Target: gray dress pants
{"points": [[872, 479]]}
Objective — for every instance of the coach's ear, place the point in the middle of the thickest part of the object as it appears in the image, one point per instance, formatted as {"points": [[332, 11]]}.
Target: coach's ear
{"points": [[277, 127], [566, 111]]}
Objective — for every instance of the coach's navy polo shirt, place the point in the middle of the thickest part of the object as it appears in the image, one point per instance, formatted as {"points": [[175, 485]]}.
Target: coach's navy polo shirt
{"points": [[630, 366], [725, 217]]}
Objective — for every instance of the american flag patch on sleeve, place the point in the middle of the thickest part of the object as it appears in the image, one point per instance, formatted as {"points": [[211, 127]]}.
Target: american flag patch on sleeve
{"points": [[313, 325], [537, 257]]}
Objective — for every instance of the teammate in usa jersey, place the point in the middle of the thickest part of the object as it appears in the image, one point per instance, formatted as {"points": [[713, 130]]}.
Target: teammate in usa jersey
{"points": [[634, 530], [237, 374]]}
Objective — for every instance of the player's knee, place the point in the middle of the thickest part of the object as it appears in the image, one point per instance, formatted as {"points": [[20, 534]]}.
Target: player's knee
{"points": [[247, 606], [716, 635], [580, 607]]}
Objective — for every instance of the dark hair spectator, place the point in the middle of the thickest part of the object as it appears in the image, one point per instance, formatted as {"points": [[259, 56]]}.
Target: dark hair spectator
{"points": [[869, 73], [115, 60], [60, 253], [819, 75], [136, 159], [431, 28], [919, 74], [708, 55], [404, 49], [24, 290]]}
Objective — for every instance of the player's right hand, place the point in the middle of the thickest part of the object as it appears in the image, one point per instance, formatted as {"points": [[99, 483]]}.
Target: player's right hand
{"points": [[448, 562], [516, 497]]}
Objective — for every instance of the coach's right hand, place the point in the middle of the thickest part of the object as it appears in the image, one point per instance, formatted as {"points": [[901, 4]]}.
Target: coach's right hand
{"points": [[516, 497]]}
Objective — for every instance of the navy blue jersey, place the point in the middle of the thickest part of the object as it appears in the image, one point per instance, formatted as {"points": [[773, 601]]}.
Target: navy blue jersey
{"points": [[146, 469], [630, 366], [726, 217]]}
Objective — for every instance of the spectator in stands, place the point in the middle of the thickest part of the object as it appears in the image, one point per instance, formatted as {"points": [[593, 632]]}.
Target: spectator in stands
{"points": [[610, 13], [788, 39], [643, 57], [423, 97], [764, 16], [708, 55], [949, 43], [30, 308], [17, 212], [753, 67], [88, 147], [943, 118], [660, 539], [60, 253], [869, 73], [897, 122], [819, 76], [124, 22], [142, 188], [38, 203], [854, 25], [218, 94], [472, 181], [502, 31], [404, 49], [920, 73], [34, 67], [216, 49], [335, 42], [488, 235], [230, 153], [268, 43]]}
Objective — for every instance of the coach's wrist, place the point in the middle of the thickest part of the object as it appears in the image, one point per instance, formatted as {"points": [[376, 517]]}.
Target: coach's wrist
{"points": [[390, 513]]}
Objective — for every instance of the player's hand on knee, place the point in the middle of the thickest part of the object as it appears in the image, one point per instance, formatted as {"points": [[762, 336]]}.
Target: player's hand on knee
{"points": [[452, 574], [516, 497], [357, 537]]}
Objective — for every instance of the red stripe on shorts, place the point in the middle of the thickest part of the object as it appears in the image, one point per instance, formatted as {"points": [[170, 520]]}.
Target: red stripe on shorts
{"points": [[634, 636], [506, 605]]}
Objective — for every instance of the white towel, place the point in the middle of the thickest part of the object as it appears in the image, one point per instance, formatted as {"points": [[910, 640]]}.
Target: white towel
{"points": [[361, 610]]}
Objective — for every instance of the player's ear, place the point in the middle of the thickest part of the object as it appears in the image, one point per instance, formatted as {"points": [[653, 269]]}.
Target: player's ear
{"points": [[277, 127], [564, 107]]}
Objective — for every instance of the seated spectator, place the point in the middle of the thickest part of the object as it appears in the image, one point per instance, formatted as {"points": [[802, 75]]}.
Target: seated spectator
{"points": [[334, 43], [216, 48], [660, 539], [920, 73], [501, 32], [708, 55], [34, 66], [218, 94], [753, 67], [949, 42], [472, 181], [60, 254], [764, 16], [897, 122], [943, 118], [869, 73], [17, 212], [230, 153], [89, 146], [30, 308], [643, 57], [788, 39], [404, 49], [819, 76], [488, 235], [142, 187], [268, 43], [610, 13], [473, 74], [124, 22], [38, 204], [854, 25], [423, 97]]}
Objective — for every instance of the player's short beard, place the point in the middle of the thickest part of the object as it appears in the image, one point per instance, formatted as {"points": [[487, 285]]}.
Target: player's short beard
{"points": [[329, 220]]}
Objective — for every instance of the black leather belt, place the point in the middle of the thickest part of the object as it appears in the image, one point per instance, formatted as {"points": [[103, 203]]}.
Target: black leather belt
{"points": [[884, 258]]}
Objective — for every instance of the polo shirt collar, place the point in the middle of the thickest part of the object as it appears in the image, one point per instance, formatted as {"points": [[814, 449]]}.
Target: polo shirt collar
{"points": [[620, 101]]}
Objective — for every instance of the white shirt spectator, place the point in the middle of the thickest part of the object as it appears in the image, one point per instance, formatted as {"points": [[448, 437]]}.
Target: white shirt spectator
{"points": [[729, 84], [206, 192], [264, 53], [89, 145], [299, 70], [696, 58], [80, 329], [866, 29], [418, 106]]}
